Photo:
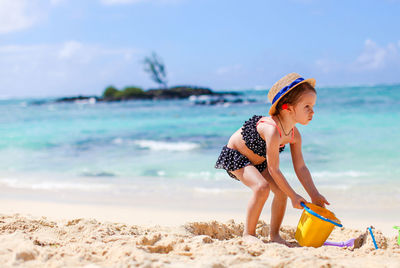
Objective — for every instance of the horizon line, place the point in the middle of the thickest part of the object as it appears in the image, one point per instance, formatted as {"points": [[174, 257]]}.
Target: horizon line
{"points": [[9, 97]]}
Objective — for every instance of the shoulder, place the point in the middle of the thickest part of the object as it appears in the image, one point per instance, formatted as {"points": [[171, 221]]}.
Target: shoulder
{"points": [[267, 129]]}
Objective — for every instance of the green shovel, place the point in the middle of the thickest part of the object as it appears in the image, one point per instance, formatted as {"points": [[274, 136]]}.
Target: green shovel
{"points": [[398, 238]]}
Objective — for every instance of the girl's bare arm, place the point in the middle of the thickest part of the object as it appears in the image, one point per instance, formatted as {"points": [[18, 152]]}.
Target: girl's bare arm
{"points": [[302, 172], [272, 143]]}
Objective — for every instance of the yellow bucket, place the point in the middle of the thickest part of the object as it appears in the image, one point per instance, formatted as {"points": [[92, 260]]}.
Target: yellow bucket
{"points": [[315, 225]]}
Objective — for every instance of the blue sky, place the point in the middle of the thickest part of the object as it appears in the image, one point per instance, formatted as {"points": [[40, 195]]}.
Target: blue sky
{"points": [[68, 47]]}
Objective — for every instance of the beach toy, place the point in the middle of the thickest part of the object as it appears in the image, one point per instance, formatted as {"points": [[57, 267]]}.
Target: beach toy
{"points": [[348, 243], [373, 238], [398, 238], [315, 225], [354, 242]]}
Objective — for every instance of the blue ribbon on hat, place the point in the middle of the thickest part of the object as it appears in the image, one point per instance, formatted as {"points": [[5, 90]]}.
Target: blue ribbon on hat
{"points": [[285, 89]]}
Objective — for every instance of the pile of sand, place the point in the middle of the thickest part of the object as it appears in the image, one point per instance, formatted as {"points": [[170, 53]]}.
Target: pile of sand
{"points": [[38, 242]]}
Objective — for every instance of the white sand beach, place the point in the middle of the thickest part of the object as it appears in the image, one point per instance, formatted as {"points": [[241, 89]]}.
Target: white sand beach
{"points": [[39, 242], [43, 233]]}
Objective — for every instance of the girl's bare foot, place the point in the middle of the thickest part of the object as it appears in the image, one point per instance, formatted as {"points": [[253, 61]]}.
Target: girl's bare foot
{"points": [[251, 239], [279, 239]]}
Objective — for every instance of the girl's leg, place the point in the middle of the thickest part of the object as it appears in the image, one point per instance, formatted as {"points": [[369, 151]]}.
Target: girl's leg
{"points": [[278, 208], [252, 178]]}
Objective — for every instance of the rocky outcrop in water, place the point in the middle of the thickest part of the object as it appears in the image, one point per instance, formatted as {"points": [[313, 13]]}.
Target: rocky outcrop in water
{"points": [[197, 95], [134, 93]]}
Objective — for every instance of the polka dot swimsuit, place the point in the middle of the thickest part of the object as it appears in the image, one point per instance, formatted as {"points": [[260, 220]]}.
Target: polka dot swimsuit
{"points": [[231, 159], [253, 139]]}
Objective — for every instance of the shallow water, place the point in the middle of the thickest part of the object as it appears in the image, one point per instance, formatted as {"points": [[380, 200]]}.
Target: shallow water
{"points": [[352, 141]]}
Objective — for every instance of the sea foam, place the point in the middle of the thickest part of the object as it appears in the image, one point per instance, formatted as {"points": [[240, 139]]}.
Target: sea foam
{"points": [[166, 146]]}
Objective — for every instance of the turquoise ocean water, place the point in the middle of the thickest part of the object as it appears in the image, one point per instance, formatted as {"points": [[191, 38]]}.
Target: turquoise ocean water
{"points": [[143, 145]]}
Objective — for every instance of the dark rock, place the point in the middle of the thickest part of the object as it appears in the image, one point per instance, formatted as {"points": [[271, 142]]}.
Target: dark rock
{"points": [[177, 92], [78, 98]]}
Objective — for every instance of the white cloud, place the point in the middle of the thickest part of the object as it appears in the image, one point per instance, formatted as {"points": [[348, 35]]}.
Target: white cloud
{"points": [[228, 69], [69, 49], [372, 58], [68, 68], [375, 57], [17, 15], [76, 51], [375, 63]]}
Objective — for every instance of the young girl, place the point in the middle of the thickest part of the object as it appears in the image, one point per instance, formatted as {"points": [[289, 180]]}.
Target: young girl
{"points": [[252, 153]]}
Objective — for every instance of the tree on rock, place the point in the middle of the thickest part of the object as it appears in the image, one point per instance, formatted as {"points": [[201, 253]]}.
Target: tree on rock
{"points": [[156, 68], [110, 92]]}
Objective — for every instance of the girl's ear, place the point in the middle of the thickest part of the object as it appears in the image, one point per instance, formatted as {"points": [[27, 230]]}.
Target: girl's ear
{"points": [[290, 108]]}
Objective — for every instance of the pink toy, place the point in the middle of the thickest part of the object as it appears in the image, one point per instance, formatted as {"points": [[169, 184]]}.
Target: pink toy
{"points": [[348, 243]]}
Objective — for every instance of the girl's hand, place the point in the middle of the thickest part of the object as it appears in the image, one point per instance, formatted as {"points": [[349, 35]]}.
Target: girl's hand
{"points": [[296, 200], [319, 200]]}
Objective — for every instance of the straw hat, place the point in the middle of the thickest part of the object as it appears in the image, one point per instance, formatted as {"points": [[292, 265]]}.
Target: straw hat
{"points": [[284, 86]]}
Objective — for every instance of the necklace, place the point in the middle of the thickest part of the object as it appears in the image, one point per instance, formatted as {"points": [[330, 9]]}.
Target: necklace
{"points": [[283, 128]]}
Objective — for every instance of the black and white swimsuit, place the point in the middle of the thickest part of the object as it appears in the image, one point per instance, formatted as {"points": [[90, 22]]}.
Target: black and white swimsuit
{"points": [[231, 159]]}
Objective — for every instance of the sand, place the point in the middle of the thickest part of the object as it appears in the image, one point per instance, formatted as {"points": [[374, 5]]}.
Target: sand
{"points": [[70, 229], [31, 241]]}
